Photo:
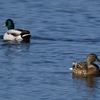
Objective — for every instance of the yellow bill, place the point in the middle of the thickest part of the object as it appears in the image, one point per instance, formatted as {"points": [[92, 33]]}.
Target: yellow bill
{"points": [[4, 25]]}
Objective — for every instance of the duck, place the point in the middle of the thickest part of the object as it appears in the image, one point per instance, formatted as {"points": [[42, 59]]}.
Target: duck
{"points": [[86, 68], [15, 34]]}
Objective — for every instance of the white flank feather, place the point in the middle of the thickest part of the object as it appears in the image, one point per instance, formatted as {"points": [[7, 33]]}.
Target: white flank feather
{"points": [[8, 36]]}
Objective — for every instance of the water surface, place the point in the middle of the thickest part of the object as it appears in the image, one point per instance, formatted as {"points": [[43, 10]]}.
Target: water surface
{"points": [[62, 31]]}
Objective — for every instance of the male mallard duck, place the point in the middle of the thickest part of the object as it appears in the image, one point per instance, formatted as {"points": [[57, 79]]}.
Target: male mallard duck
{"points": [[15, 34], [88, 67]]}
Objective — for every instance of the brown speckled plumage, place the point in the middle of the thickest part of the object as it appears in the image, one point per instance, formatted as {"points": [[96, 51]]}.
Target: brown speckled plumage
{"points": [[88, 67]]}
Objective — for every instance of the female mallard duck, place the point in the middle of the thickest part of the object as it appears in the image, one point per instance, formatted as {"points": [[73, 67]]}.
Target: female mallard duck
{"points": [[88, 67], [15, 34]]}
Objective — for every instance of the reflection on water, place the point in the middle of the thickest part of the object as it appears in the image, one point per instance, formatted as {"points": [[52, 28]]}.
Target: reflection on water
{"points": [[88, 86], [15, 46], [12, 52], [89, 81]]}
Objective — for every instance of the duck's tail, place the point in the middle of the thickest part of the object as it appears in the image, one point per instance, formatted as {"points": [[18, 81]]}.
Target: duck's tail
{"points": [[70, 68], [74, 64]]}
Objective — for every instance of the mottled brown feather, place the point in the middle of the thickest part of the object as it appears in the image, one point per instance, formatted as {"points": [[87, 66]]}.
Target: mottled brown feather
{"points": [[88, 67]]}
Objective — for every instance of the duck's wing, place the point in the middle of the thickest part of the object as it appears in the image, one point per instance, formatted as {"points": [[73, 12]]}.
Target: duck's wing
{"points": [[80, 65], [14, 32], [23, 31], [25, 34], [79, 68]]}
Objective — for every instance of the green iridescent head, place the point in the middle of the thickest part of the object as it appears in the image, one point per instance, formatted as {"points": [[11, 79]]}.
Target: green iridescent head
{"points": [[9, 24]]}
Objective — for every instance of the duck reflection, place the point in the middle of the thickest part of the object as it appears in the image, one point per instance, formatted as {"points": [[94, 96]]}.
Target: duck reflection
{"points": [[13, 49], [13, 55], [89, 81]]}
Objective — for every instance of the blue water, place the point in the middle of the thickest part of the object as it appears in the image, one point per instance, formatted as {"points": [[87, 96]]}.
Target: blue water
{"points": [[62, 31]]}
